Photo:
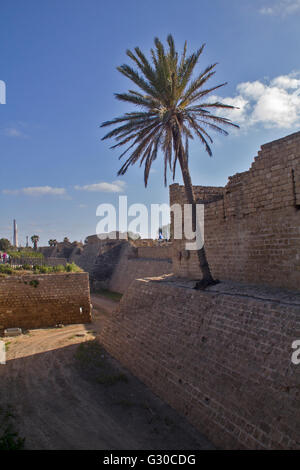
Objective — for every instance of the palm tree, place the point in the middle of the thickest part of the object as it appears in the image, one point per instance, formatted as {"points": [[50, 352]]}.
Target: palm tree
{"points": [[172, 109], [35, 239]]}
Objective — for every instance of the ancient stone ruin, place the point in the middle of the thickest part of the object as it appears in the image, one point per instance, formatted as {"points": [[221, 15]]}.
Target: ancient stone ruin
{"points": [[114, 263], [252, 225], [223, 357]]}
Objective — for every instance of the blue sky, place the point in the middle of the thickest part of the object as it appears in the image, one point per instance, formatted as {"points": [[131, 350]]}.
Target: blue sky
{"points": [[58, 59]]}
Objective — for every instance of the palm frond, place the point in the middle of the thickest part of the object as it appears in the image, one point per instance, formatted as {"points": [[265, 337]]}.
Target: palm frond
{"points": [[172, 108]]}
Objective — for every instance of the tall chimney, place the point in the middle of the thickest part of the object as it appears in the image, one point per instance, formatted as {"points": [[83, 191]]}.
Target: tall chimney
{"points": [[15, 239]]}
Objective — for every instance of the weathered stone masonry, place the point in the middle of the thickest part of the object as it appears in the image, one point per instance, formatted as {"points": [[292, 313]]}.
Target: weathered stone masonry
{"points": [[114, 264], [57, 298], [139, 262], [252, 226], [221, 358]]}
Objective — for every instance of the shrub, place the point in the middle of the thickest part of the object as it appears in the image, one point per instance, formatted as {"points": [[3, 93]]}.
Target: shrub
{"points": [[9, 436], [5, 269], [25, 254], [10, 440], [60, 268], [72, 268], [43, 269]]}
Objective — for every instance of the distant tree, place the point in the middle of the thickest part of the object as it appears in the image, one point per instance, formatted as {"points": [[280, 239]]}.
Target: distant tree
{"points": [[35, 239], [66, 240], [4, 244], [52, 242]]}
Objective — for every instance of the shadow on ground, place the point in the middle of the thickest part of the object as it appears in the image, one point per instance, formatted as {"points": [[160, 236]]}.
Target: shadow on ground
{"points": [[76, 396]]}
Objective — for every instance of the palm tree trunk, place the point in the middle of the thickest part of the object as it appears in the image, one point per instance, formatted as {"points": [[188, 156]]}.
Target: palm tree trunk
{"points": [[207, 278]]}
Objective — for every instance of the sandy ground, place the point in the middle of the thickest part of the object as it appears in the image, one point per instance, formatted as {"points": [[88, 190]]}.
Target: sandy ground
{"points": [[68, 393]]}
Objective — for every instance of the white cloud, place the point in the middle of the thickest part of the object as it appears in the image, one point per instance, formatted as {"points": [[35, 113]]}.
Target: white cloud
{"points": [[36, 191], [266, 11], [13, 132], [238, 114], [251, 89], [114, 187], [277, 108], [286, 82], [281, 8], [273, 104]]}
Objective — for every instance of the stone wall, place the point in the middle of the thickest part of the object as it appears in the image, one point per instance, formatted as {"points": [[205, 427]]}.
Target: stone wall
{"points": [[131, 266], [55, 261], [115, 263], [252, 226], [35, 301], [35, 261], [163, 251], [150, 242], [99, 258], [86, 257], [221, 357]]}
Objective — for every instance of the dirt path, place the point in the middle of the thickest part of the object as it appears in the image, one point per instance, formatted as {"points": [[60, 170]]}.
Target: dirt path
{"points": [[68, 393]]}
